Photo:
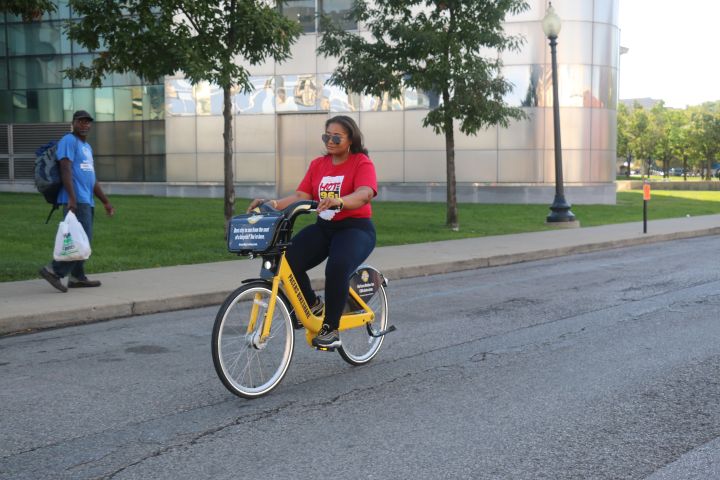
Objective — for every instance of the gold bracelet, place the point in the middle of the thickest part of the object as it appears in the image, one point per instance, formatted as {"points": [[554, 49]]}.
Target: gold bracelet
{"points": [[342, 203]]}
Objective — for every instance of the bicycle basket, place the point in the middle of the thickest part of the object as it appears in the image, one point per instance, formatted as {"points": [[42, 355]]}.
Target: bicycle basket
{"points": [[253, 232]]}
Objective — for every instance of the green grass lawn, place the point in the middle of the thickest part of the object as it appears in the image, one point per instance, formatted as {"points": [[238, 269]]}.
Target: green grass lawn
{"points": [[149, 232]]}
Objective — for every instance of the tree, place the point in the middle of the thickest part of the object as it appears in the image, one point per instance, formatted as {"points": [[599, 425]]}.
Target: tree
{"points": [[678, 137], [705, 134], [642, 137], [200, 38], [623, 135], [29, 10], [660, 128], [432, 46]]}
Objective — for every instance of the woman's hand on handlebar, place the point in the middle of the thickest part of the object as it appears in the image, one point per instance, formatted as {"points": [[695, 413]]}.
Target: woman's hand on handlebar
{"points": [[259, 201], [334, 203]]}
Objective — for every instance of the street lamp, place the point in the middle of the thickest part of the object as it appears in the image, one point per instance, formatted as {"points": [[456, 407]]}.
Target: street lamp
{"points": [[560, 209]]}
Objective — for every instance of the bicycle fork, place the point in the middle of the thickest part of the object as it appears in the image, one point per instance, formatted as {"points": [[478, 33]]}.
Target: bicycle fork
{"points": [[259, 336]]}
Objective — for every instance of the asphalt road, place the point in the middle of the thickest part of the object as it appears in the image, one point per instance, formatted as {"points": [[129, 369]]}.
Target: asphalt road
{"points": [[603, 365]]}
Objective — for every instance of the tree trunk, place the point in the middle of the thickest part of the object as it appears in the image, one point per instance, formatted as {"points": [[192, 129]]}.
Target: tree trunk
{"points": [[452, 211], [708, 171], [228, 157]]}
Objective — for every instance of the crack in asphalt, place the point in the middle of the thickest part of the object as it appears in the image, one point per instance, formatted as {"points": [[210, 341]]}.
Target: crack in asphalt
{"points": [[198, 437]]}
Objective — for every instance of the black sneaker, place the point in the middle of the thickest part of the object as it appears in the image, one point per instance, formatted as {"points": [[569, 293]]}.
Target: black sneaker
{"points": [[83, 283], [327, 339], [318, 308], [52, 279]]}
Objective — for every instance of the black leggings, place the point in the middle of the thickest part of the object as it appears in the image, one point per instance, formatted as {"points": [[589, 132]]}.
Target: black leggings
{"points": [[346, 244]]}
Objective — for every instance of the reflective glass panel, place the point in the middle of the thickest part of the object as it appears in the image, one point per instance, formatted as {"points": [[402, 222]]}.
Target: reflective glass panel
{"points": [[120, 168], [3, 42], [44, 38], [260, 99], [117, 138], [62, 12], [83, 59], [83, 98], [606, 11], [3, 74], [573, 10], [605, 87], [25, 106], [67, 104], [179, 97], [338, 10], [6, 107], [153, 102], [104, 104], [50, 105], [526, 85], [606, 45], [38, 72], [154, 168], [336, 99], [127, 78], [208, 99], [420, 99], [574, 85], [123, 100], [381, 104], [301, 10], [154, 137], [296, 93], [533, 49]]}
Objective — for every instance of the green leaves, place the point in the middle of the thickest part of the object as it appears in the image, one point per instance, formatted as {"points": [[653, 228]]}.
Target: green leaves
{"points": [[29, 10], [669, 134], [201, 39], [431, 46]]}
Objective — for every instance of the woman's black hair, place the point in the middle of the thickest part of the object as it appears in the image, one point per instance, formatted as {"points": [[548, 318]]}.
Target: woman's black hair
{"points": [[353, 131]]}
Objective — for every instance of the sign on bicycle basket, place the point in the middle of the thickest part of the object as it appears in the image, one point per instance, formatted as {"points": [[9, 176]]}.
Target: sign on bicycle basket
{"points": [[252, 232]]}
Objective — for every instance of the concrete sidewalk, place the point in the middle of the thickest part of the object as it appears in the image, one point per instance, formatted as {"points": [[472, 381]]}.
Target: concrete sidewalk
{"points": [[34, 304]]}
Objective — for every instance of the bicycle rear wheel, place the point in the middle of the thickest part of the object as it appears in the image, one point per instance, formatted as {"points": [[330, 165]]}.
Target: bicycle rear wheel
{"points": [[247, 365], [358, 345]]}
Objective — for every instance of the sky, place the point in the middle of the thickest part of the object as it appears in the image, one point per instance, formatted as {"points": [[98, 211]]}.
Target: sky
{"points": [[674, 51]]}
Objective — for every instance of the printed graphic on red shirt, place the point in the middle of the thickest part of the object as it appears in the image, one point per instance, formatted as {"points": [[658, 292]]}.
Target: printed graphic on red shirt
{"points": [[330, 187]]}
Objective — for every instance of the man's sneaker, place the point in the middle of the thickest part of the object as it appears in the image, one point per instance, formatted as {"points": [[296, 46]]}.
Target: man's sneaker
{"points": [[327, 339], [318, 308], [83, 283], [52, 279]]}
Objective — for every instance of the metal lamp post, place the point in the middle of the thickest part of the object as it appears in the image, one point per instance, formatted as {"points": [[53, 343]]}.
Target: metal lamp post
{"points": [[560, 209]]}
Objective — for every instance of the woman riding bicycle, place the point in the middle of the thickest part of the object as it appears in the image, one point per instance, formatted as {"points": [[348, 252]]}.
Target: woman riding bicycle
{"points": [[343, 182]]}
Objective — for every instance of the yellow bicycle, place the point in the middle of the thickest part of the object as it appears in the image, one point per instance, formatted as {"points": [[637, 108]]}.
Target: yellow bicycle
{"points": [[254, 333]]}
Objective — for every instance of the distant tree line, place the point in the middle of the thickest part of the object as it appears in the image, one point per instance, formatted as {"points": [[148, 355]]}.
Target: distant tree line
{"points": [[663, 138]]}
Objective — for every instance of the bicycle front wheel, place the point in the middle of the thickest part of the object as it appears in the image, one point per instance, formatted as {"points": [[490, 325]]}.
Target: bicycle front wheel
{"points": [[358, 345], [248, 365]]}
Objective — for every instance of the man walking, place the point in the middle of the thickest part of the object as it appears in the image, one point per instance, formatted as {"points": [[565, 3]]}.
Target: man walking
{"points": [[79, 186]]}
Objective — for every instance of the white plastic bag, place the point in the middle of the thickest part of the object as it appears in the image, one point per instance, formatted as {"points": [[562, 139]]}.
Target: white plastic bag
{"points": [[71, 242]]}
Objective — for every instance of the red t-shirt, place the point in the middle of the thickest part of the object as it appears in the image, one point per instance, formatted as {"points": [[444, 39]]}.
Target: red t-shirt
{"points": [[323, 179]]}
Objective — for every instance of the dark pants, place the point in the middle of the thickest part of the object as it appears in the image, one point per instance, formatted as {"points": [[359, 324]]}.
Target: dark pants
{"points": [[84, 213], [346, 244]]}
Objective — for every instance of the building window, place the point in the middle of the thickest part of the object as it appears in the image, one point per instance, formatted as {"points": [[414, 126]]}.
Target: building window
{"points": [[306, 12]]}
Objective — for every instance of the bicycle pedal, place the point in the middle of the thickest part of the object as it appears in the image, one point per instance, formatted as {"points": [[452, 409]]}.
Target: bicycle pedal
{"points": [[325, 349]]}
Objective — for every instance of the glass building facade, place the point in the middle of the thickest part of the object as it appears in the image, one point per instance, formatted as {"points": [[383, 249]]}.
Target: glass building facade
{"points": [[37, 103], [176, 128]]}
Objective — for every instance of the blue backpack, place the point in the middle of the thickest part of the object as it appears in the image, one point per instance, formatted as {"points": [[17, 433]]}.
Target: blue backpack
{"points": [[47, 174]]}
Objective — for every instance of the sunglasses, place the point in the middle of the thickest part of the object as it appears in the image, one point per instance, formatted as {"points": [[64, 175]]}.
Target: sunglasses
{"points": [[336, 139]]}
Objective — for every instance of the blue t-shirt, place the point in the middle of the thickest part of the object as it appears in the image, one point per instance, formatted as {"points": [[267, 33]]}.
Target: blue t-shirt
{"points": [[83, 168]]}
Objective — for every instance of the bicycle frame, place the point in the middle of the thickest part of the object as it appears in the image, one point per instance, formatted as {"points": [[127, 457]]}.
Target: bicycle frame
{"points": [[312, 323]]}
